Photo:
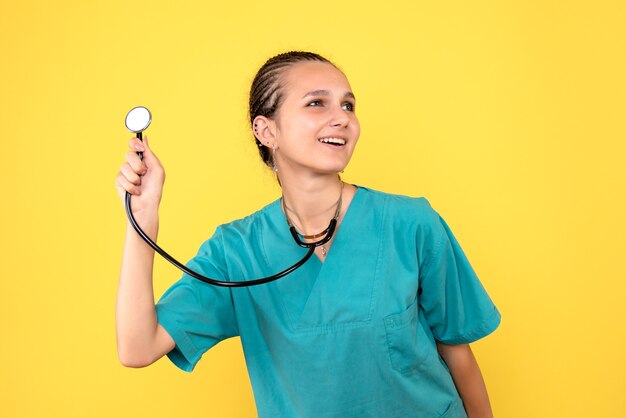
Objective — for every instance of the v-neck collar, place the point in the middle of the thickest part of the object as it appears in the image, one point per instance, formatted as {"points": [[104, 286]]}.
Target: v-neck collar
{"points": [[280, 248], [343, 226], [314, 294]]}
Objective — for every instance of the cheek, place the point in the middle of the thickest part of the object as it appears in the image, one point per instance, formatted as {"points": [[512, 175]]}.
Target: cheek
{"points": [[303, 125], [357, 128]]}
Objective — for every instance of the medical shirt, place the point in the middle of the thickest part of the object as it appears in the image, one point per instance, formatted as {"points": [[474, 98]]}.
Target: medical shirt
{"points": [[353, 336]]}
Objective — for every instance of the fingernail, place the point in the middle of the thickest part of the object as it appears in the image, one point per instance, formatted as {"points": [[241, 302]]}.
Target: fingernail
{"points": [[139, 147]]}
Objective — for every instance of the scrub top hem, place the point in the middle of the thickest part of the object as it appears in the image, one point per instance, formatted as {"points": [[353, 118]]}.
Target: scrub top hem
{"points": [[185, 355], [484, 329]]}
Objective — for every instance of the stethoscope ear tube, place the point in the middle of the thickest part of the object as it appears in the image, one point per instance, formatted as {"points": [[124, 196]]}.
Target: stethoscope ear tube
{"points": [[329, 234], [311, 246]]}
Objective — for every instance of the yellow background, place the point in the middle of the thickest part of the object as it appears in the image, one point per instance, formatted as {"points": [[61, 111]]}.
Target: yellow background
{"points": [[507, 116]]}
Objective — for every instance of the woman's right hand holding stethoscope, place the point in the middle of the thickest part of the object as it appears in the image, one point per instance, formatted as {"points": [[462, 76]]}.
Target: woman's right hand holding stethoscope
{"points": [[142, 178], [140, 186]]}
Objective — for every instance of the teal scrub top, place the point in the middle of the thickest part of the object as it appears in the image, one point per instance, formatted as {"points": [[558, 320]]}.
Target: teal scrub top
{"points": [[353, 336]]}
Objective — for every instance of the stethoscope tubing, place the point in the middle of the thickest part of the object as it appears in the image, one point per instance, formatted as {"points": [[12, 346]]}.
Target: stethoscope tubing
{"points": [[310, 245]]}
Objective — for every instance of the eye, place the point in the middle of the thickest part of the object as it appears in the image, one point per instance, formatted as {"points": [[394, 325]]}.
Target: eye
{"points": [[315, 103], [349, 106]]}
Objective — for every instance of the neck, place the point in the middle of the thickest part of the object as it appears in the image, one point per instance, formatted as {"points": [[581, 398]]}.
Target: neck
{"points": [[313, 200]]}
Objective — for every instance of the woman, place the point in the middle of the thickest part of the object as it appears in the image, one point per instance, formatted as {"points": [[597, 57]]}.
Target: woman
{"points": [[378, 324]]}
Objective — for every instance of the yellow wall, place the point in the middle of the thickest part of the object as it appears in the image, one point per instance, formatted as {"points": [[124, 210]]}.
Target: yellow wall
{"points": [[507, 116]]}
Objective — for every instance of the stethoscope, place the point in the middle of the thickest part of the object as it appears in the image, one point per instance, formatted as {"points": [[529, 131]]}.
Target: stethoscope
{"points": [[137, 120]]}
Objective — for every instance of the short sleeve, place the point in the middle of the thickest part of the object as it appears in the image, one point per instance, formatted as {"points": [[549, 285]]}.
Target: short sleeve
{"points": [[198, 315], [455, 303]]}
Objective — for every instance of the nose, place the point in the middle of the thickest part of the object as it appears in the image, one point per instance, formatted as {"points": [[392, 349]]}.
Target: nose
{"points": [[339, 117]]}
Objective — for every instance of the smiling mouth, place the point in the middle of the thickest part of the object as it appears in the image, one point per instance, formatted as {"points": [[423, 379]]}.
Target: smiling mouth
{"points": [[338, 142]]}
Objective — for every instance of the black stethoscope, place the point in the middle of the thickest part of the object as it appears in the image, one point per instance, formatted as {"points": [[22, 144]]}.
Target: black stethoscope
{"points": [[137, 120]]}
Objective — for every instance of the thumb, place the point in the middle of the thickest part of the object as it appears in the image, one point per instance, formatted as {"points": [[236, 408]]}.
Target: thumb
{"points": [[149, 158], [146, 146]]}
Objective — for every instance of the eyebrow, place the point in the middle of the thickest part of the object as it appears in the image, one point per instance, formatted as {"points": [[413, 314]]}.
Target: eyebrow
{"points": [[327, 93]]}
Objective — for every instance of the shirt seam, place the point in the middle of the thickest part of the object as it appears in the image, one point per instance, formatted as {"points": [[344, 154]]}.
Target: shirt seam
{"points": [[428, 263], [227, 278]]}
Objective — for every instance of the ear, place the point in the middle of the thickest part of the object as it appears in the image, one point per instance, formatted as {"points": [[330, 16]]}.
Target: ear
{"points": [[263, 129]]}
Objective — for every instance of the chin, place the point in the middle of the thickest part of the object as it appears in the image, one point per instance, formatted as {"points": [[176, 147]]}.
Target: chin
{"points": [[333, 170], [329, 166]]}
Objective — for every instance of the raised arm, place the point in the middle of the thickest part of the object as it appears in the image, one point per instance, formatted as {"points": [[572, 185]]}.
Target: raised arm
{"points": [[140, 339]]}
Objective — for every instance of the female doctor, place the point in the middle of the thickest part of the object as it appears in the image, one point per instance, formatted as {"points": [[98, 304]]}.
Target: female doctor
{"points": [[376, 324]]}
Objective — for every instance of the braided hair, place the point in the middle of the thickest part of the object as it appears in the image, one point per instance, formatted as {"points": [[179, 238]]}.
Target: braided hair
{"points": [[266, 94]]}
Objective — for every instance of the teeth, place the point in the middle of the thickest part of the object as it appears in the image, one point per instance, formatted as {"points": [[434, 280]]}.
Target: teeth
{"points": [[332, 140]]}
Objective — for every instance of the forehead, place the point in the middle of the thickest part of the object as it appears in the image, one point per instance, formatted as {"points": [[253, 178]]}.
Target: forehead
{"points": [[303, 77]]}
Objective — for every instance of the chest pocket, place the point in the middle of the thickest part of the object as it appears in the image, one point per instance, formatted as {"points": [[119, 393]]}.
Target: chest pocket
{"points": [[408, 344]]}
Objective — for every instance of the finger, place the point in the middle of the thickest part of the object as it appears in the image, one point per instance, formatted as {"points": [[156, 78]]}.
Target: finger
{"points": [[136, 144], [130, 175], [149, 157], [128, 186], [136, 163]]}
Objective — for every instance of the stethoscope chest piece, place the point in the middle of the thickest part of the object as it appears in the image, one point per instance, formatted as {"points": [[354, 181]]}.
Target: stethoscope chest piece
{"points": [[138, 119]]}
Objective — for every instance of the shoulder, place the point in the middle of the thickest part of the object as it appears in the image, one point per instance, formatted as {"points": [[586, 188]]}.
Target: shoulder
{"points": [[249, 224], [402, 207]]}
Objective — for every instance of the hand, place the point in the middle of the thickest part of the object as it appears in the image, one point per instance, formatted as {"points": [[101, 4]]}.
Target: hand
{"points": [[143, 179]]}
